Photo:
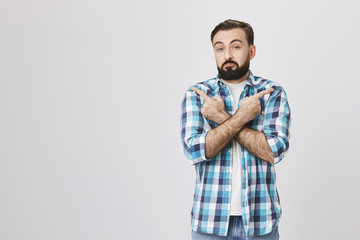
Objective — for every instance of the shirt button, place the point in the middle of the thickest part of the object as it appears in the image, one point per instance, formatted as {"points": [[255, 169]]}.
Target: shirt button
{"points": [[228, 189], [229, 171], [229, 150]]}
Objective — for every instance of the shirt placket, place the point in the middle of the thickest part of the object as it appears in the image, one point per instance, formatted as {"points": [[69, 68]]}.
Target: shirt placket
{"points": [[245, 93], [227, 96]]}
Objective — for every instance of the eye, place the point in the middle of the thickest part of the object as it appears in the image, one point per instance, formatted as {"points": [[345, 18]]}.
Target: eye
{"points": [[236, 47], [219, 49]]}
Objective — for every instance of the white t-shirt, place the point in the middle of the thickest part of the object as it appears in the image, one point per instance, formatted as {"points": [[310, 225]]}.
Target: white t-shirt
{"points": [[236, 165]]}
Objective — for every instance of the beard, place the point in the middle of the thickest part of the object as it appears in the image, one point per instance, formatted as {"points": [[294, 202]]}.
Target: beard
{"points": [[234, 74]]}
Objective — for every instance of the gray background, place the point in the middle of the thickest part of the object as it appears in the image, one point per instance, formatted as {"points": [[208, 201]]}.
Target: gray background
{"points": [[90, 97]]}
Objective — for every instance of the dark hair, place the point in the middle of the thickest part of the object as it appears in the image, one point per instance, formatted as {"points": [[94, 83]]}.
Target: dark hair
{"points": [[231, 24]]}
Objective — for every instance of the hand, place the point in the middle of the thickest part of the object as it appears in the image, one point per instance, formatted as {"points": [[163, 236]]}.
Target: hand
{"points": [[250, 106], [213, 108]]}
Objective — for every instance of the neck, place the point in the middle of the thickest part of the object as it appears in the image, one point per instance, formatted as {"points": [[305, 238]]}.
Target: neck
{"points": [[239, 80]]}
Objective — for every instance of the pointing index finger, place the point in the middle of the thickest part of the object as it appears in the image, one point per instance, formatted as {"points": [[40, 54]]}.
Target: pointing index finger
{"points": [[263, 93], [201, 93]]}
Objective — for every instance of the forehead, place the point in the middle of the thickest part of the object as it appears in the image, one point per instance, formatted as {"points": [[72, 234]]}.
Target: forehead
{"points": [[226, 36]]}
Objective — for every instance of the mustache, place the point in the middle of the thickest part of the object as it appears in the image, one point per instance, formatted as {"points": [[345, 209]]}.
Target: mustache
{"points": [[229, 61]]}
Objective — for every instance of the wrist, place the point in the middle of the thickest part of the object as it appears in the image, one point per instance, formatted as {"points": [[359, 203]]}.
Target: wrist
{"points": [[240, 119], [223, 117]]}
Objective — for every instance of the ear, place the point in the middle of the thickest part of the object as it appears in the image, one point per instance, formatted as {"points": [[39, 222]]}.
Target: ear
{"points": [[252, 51]]}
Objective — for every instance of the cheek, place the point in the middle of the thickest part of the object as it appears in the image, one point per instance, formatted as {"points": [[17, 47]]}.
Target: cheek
{"points": [[241, 57], [240, 60], [219, 62]]}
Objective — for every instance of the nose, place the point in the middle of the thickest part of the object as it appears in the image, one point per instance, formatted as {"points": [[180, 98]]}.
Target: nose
{"points": [[228, 54]]}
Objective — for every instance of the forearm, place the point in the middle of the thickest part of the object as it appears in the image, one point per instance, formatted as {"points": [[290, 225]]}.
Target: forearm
{"points": [[217, 138], [253, 141]]}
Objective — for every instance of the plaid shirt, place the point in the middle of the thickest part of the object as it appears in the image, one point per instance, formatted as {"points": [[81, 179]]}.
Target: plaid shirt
{"points": [[260, 200]]}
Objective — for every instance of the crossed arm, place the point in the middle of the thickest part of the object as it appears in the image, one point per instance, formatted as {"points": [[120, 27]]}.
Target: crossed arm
{"points": [[233, 126]]}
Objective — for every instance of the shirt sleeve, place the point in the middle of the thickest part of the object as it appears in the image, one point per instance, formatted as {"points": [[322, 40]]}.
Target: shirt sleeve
{"points": [[277, 123], [193, 128]]}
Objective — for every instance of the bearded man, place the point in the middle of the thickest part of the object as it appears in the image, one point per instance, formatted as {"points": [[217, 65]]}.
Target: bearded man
{"points": [[234, 129]]}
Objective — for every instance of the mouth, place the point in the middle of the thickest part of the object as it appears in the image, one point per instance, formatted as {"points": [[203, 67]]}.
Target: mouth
{"points": [[227, 65]]}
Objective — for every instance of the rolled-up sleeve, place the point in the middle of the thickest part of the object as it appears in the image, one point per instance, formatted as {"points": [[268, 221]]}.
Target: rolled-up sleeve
{"points": [[277, 123], [193, 128]]}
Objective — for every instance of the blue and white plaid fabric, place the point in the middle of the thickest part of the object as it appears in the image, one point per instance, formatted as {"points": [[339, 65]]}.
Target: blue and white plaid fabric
{"points": [[260, 200]]}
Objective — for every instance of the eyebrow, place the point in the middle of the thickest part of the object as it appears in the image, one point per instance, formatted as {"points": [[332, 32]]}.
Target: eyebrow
{"points": [[235, 40]]}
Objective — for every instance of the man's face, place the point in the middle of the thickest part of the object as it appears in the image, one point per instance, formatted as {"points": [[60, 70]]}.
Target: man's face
{"points": [[232, 53]]}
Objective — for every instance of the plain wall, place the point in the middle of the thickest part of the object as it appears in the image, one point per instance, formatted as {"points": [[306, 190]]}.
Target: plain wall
{"points": [[90, 95]]}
